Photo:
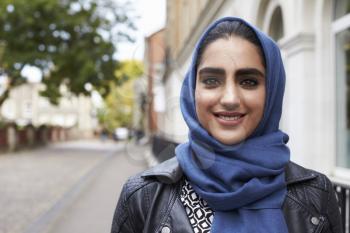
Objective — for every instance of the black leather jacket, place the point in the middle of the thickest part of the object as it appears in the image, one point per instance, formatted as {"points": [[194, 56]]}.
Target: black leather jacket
{"points": [[150, 202]]}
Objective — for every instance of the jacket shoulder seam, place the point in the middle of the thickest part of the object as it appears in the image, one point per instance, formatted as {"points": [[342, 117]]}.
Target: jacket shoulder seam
{"points": [[129, 194]]}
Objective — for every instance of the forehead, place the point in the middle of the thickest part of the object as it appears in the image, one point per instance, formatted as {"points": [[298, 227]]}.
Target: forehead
{"points": [[232, 52]]}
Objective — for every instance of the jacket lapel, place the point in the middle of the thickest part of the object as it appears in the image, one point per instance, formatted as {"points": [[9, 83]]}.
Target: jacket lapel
{"points": [[296, 174]]}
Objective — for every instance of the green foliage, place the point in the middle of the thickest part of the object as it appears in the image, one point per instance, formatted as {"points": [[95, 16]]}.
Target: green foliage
{"points": [[70, 41], [119, 103]]}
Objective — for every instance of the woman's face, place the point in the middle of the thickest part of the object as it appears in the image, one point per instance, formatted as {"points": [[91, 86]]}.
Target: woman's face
{"points": [[230, 89]]}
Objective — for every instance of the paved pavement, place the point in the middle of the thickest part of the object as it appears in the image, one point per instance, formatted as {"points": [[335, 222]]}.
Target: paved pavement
{"points": [[68, 187]]}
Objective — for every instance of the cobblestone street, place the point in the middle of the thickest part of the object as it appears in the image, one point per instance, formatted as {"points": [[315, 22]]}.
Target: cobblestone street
{"points": [[49, 189]]}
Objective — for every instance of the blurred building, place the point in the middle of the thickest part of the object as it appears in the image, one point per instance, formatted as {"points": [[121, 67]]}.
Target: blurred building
{"points": [[314, 37], [25, 106], [154, 59]]}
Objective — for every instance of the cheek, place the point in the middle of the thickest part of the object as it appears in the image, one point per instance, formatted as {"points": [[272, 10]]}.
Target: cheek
{"points": [[204, 100], [261, 103], [199, 104], [257, 103]]}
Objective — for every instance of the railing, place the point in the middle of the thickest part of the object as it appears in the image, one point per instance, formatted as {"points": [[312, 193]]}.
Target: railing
{"points": [[343, 193], [162, 148]]}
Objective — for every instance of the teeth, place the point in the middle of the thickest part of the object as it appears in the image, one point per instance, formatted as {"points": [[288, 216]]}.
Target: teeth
{"points": [[229, 118]]}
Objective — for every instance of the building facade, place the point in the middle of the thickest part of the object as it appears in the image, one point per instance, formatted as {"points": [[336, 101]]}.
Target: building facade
{"points": [[154, 58], [314, 38], [25, 106]]}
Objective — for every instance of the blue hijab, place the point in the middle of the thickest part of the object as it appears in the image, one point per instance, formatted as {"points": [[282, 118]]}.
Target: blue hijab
{"points": [[243, 183]]}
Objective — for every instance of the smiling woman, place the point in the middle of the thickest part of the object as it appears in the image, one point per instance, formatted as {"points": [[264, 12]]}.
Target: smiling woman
{"points": [[234, 173], [230, 89]]}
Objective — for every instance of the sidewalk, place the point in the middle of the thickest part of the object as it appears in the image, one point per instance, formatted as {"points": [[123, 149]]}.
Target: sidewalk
{"points": [[37, 187], [93, 210]]}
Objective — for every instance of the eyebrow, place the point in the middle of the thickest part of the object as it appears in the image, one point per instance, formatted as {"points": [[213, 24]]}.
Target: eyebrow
{"points": [[211, 70], [250, 71], [243, 71]]}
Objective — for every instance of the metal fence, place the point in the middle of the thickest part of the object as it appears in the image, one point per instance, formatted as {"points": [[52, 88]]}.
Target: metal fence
{"points": [[343, 193], [162, 148]]}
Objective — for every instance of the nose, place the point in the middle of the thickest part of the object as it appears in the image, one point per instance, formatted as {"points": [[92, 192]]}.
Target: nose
{"points": [[230, 98]]}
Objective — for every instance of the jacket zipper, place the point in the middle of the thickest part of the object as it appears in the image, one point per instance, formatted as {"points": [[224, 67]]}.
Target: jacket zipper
{"points": [[168, 209], [320, 225]]}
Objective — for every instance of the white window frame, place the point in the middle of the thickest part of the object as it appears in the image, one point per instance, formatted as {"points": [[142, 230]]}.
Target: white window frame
{"points": [[338, 26]]}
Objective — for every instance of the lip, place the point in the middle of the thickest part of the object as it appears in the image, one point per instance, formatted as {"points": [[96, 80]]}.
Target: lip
{"points": [[229, 118]]}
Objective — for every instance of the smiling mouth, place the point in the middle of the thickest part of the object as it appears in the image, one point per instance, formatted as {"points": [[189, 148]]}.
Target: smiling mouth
{"points": [[229, 117]]}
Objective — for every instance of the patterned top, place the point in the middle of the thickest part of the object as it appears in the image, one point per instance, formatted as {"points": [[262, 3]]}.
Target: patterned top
{"points": [[199, 213]]}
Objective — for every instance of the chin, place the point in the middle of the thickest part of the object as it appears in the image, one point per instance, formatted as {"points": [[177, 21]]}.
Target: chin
{"points": [[229, 141]]}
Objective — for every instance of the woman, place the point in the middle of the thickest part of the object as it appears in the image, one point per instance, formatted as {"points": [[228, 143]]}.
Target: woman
{"points": [[234, 173]]}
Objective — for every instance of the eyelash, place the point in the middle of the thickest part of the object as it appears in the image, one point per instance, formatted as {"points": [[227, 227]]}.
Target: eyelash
{"points": [[249, 83], [211, 82]]}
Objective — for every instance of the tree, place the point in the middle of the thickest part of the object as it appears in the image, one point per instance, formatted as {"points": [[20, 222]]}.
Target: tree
{"points": [[117, 111], [70, 41]]}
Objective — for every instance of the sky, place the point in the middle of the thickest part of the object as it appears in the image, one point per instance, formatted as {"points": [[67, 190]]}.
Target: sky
{"points": [[152, 18]]}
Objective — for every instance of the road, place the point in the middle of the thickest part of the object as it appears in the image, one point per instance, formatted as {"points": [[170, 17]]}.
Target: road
{"points": [[66, 187]]}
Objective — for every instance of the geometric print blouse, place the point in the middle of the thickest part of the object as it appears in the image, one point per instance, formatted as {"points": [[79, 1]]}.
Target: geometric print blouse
{"points": [[199, 213]]}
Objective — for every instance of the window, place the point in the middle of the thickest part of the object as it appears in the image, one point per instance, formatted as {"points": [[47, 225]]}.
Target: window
{"points": [[341, 8], [341, 32], [276, 27]]}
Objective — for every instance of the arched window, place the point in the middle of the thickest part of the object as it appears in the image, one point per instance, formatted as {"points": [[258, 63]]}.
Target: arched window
{"points": [[261, 13], [276, 30]]}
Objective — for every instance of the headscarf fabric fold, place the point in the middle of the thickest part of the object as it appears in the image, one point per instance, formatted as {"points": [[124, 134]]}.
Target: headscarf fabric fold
{"points": [[243, 183]]}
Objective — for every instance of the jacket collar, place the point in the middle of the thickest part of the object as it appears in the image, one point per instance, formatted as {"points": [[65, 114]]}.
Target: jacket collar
{"points": [[170, 172], [296, 173]]}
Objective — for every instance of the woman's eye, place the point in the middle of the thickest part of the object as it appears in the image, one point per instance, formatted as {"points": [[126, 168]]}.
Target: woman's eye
{"points": [[211, 82], [249, 83]]}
